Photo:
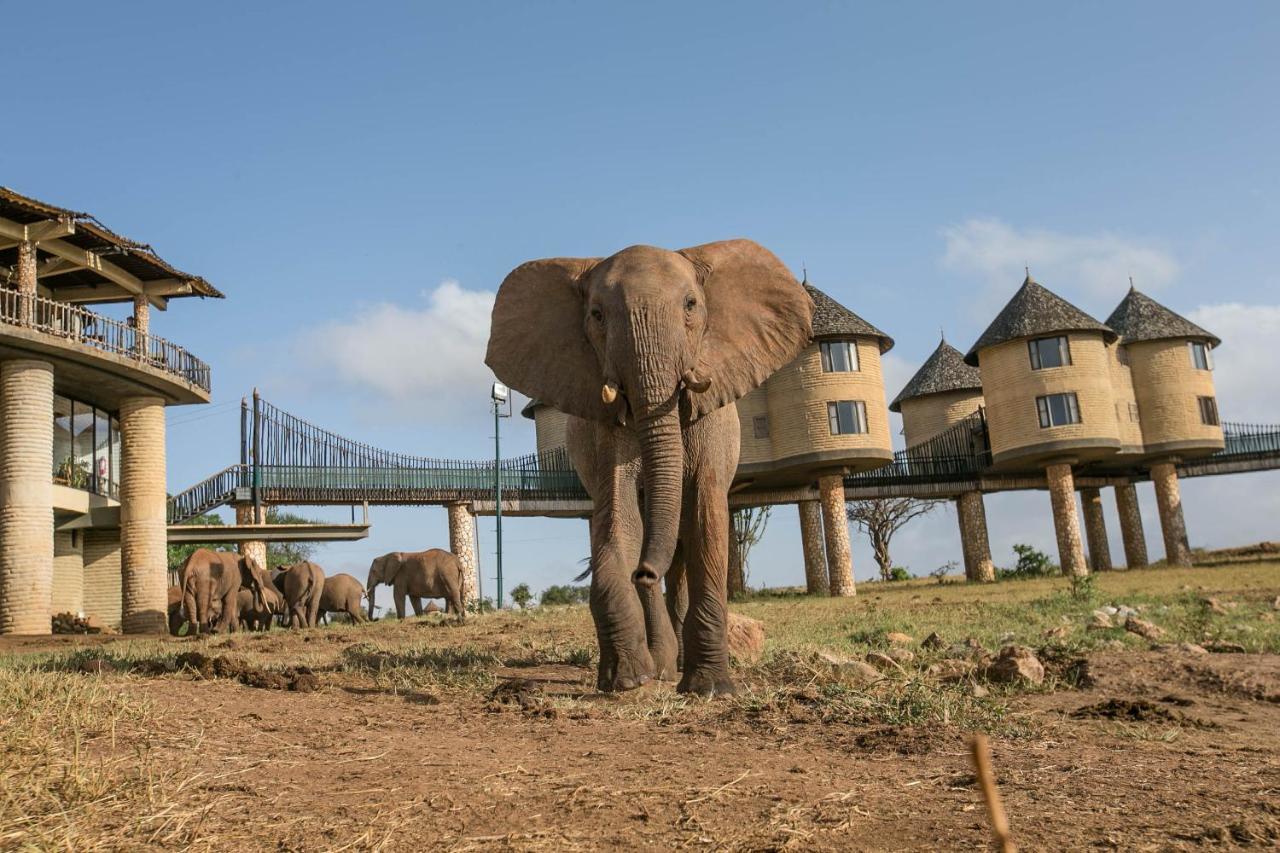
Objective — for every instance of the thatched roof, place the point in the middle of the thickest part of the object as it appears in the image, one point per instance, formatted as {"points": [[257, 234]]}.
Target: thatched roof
{"points": [[1138, 317], [831, 319], [1033, 311], [86, 234], [529, 408], [943, 371]]}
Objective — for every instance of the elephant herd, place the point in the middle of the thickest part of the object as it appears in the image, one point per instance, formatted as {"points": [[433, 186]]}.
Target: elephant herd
{"points": [[222, 591]]}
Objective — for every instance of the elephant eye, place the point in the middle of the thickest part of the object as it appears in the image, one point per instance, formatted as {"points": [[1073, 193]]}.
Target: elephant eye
{"points": [[690, 303], [597, 314]]}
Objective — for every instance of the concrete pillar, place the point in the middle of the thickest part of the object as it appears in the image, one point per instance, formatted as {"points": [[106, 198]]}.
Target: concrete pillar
{"points": [[1177, 551], [835, 524], [1066, 523], [1095, 530], [102, 577], [68, 574], [26, 496], [141, 324], [143, 504], [462, 542], [815, 555], [1135, 540], [255, 549], [974, 542], [25, 270]]}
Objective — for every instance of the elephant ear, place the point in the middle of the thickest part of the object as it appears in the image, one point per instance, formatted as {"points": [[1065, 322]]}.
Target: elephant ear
{"points": [[759, 318], [537, 341]]}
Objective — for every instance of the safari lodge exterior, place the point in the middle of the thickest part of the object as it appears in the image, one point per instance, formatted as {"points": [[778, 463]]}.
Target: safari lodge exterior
{"points": [[82, 425]]}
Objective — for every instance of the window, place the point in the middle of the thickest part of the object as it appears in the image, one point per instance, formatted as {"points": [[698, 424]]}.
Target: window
{"points": [[1133, 413], [1122, 355], [1209, 411], [760, 426], [839, 356], [86, 447], [847, 417], [1058, 410], [1049, 352], [1201, 359]]}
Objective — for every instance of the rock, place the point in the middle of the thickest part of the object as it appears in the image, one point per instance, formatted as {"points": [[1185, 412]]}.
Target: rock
{"points": [[1223, 647], [1055, 633], [746, 638], [1275, 605], [951, 670], [970, 649], [833, 658], [1100, 620], [978, 691], [1143, 628], [1016, 665], [1109, 610], [97, 666], [858, 672], [901, 655], [933, 641], [1124, 611], [1192, 649], [883, 662], [898, 638], [1213, 605]]}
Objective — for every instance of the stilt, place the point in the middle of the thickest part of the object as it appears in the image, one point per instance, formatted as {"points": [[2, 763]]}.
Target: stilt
{"points": [[1095, 530], [1135, 540], [1066, 523]]}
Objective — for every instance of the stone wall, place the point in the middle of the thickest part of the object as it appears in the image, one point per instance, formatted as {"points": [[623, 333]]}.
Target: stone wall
{"points": [[68, 574], [1168, 387], [102, 578], [925, 417]]}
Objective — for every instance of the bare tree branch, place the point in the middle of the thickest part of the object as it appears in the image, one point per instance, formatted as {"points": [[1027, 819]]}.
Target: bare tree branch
{"points": [[883, 517]]}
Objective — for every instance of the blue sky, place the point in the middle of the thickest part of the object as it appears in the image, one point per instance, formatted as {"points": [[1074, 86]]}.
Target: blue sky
{"points": [[359, 178]]}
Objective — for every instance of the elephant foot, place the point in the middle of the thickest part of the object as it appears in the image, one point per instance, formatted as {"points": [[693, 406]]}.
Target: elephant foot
{"points": [[665, 663], [624, 671], [707, 683]]}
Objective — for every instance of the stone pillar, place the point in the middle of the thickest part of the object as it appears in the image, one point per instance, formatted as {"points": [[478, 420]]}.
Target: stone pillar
{"points": [[25, 270], [1066, 524], [26, 496], [1177, 552], [835, 524], [974, 542], [102, 577], [255, 549], [815, 555], [1135, 541], [462, 542], [68, 574], [143, 505], [141, 324], [1095, 530]]}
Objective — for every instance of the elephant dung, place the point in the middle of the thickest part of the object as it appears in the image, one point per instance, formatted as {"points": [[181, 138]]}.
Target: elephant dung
{"points": [[1014, 665], [746, 638]]}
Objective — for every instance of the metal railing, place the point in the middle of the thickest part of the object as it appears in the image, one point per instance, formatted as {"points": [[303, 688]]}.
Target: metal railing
{"points": [[961, 452], [73, 323], [208, 494], [1244, 440]]}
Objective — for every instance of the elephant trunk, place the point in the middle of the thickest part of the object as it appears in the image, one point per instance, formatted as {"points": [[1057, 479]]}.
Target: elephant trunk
{"points": [[662, 457]]}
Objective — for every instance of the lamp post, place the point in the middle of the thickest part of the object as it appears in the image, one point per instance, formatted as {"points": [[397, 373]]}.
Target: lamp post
{"points": [[501, 397]]}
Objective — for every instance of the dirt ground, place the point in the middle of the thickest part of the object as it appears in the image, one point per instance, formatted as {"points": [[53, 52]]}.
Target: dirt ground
{"points": [[1154, 747]]}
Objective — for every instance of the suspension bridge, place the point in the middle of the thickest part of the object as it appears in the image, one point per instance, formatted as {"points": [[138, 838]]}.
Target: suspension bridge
{"points": [[287, 460]]}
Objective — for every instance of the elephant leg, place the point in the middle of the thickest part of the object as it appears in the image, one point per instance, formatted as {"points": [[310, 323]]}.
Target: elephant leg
{"points": [[230, 612], [625, 658], [677, 602], [705, 535], [398, 598], [417, 605], [313, 615]]}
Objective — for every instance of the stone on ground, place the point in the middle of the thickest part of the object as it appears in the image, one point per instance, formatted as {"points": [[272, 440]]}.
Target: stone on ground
{"points": [[898, 638], [1143, 628], [1192, 649], [901, 655], [882, 661], [746, 638], [933, 641], [1014, 665], [1100, 620]]}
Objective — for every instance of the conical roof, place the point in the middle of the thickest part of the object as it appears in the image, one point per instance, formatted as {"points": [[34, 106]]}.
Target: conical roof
{"points": [[1138, 317], [1035, 310], [945, 370], [831, 319]]}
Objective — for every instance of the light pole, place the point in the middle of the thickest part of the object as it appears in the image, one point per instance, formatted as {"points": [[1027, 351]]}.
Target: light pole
{"points": [[501, 397]]}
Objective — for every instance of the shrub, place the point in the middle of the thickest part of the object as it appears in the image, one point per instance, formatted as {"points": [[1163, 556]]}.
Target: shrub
{"points": [[1031, 563], [565, 594], [899, 573], [522, 596]]}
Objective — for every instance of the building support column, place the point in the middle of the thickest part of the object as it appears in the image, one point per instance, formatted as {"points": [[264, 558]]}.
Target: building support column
{"points": [[26, 496], [815, 555], [1066, 523], [1095, 530], [254, 549], [974, 542], [1135, 541], [462, 538], [143, 504], [835, 524], [102, 577], [1177, 551], [25, 270], [141, 324]]}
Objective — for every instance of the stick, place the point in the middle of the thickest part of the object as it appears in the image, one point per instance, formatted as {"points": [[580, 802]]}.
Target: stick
{"points": [[980, 751]]}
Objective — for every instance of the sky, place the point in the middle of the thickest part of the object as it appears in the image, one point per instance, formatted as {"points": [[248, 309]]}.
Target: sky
{"points": [[358, 179]]}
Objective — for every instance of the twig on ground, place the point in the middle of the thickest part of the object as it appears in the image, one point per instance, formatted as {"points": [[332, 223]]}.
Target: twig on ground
{"points": [[980, 751]]}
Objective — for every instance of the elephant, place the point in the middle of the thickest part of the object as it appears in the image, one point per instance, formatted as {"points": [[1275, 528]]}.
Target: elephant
{"points": [[343, 594], [434, 573], [209, 576], [255, 618], [303, 585], [176, 617], [646, 351]]}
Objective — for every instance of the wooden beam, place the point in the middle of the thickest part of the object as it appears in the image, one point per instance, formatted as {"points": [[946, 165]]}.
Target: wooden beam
{"points": [[32, 232], [106, 292], [55, 266]]}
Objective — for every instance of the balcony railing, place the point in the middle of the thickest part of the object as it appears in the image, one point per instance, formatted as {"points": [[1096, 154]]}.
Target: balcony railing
{"points": [[73, 323]]}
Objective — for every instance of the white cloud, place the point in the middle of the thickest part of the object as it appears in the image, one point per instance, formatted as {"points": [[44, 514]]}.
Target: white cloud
{"points": [[1078, 266], [1244, 373], [419, 358]]}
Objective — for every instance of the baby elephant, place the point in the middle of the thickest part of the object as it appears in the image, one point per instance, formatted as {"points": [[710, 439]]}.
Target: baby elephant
{"points": [[343, 594]]}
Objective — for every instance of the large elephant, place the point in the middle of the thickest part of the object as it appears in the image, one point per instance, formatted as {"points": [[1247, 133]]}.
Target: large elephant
{"points": [[646, 351], [434, 573], [303, 585], [209, 576], [343, 594]]}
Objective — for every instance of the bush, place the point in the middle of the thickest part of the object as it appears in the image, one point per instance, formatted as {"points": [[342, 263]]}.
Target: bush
{"points": [[565, 594], [522, 596], [899, 573], [1031, 564]]}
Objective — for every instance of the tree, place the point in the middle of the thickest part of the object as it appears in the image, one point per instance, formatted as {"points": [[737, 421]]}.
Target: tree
{"points": [[746, 528], [565, 594], [178, 554], [883, 517], [522, 596], [288, 553]]}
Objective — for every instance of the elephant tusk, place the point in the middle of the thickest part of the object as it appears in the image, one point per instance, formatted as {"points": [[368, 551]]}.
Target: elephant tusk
{"points": [[693, 383], [609, 393]]}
